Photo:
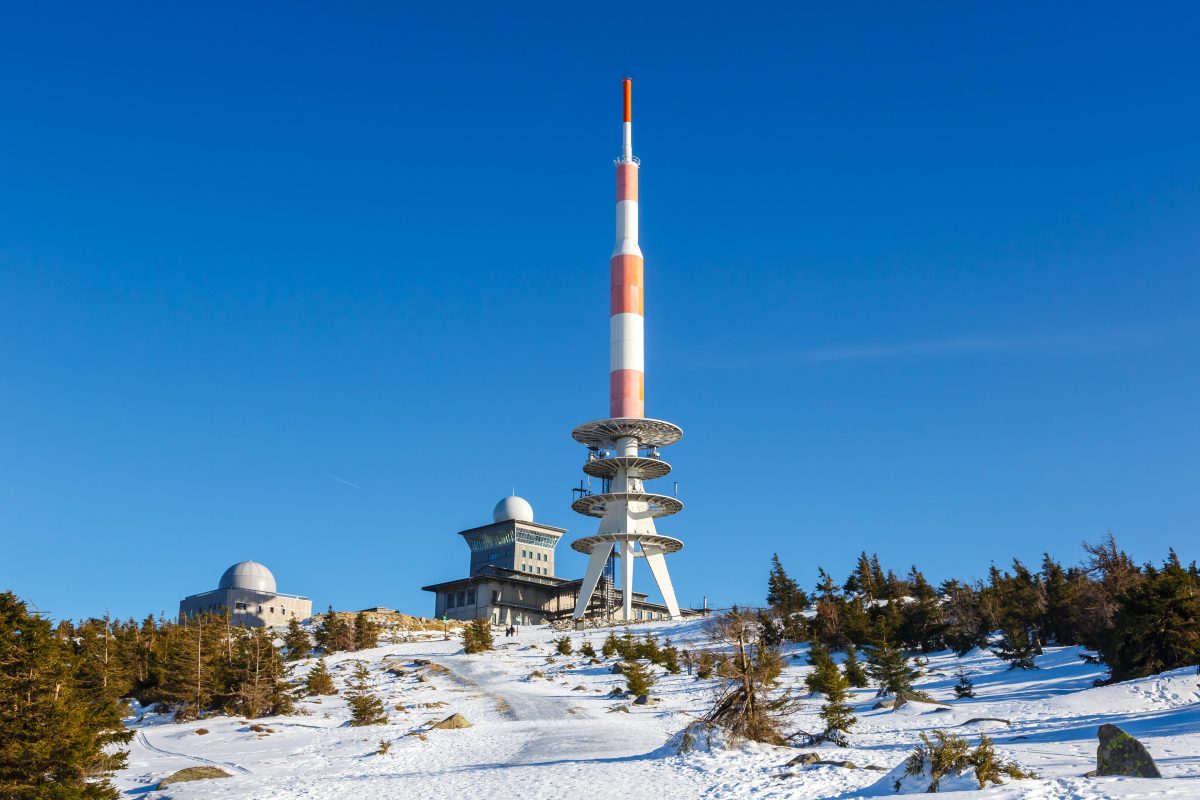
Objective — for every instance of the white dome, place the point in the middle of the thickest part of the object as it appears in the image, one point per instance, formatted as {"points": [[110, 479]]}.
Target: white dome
{"points": [[513, 508], [248, 575]]}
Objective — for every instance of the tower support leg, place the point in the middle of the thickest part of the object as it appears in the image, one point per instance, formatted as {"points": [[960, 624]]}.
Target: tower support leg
{"points": [[658, 568], [627, 580], [591, 577]]}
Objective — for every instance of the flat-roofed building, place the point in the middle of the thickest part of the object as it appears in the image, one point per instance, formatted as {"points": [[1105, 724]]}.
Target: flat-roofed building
{"points": [[247, 590]]}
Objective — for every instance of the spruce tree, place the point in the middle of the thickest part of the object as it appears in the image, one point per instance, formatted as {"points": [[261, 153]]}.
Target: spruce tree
{"points": [[562, 645], [477, 636], [1016, 647], [856, 676], [366, 632], [889, 668], [296, 641], [836, 713], [54, 734], [1157, 626], [319, 680], [611, 646], [639, 680], [824, 673], [335, 634], [365, 707], [586, 649], [964, 688], [784, 595], [705, 663]]}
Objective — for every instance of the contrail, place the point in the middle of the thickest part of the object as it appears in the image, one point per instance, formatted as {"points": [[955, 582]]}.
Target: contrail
{"points": [[341, 480]]}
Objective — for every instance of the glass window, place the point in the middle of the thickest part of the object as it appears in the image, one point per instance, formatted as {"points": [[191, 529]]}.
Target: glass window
{"points": [[240, 606], [471, 596]]}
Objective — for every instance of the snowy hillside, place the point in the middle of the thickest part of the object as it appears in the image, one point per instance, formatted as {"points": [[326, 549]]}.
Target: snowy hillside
{"points": [[558, 735]]}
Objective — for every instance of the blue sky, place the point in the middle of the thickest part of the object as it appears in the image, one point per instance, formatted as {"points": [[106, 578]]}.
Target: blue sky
{"points": [[317, 284]]}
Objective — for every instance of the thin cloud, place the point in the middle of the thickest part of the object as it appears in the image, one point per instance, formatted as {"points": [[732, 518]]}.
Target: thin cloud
{"points": [[1078, 343], [341, 480]]}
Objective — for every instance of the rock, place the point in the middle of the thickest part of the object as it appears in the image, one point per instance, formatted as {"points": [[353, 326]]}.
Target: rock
{"points": [[193, 774], [617, 669], [621, 709], [399, 672], [595, 661], [422, 679], [422, 662], [984, 719], [452, 722], [842, 764], [803, 760], [617, 692], [876, 768], [642, 699], [580, 688], [883, 704], [1121, 754]]}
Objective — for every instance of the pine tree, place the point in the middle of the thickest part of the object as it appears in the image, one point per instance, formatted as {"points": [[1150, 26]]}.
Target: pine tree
{"points": [[365, 707], [611, 646], [296, 641], [856, 676], [191, 652], [836, 713], [784, 595], [335, 634], [964, 688], [319, 681], [563, 645], [748, 704], [669, 659], [889, 668], [366, 632], [53, 733], [1157, 627], [1016, 647], [258, 678], [477, 636], [587, 650], [705, 663], [639, 680], [825, 672]]}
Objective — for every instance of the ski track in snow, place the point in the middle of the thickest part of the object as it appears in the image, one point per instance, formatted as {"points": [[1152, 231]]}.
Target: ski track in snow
{"points": [[543, 737]]}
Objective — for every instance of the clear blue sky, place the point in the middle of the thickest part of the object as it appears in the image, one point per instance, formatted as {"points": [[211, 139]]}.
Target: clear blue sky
{"points": [[317, 284]]}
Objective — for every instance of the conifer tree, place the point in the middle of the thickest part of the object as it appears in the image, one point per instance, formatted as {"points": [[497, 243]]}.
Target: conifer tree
{"points": [[1157, 627], [189, 671], [1016, 647], [964, 688], [889, 668], [705, 663], [562, 645], [335, 634], [296, 641], [611, 646], [669, 658], [319, 680], [54, 735], [784, 595], [852, 668], [477, 636], [366, 632], [836, 713], [748, 705], [825, 672], [639, 680], [365, 707], [586, 649]]}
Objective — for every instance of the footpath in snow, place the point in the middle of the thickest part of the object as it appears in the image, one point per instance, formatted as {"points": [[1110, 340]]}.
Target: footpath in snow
{"points": [[556, 734]]}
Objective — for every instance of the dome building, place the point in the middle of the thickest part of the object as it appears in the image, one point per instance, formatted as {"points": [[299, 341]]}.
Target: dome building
{"points": [[247, 590]]}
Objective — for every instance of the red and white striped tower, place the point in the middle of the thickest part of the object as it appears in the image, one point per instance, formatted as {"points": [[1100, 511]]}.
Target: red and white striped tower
{"points": [[627, 378], [623, 450]]}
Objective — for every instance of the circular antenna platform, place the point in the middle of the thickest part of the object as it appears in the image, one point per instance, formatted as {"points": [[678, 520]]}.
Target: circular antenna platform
{"points": [[648, 468], [665, 544], [660, 505], [603, 433]]}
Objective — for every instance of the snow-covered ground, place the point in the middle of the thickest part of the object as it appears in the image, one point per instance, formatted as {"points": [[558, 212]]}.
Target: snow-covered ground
{"points": [[558, 737]]}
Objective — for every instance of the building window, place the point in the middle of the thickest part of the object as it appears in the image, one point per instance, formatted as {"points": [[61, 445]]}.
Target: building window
{"points": [[471, 596], [239, 606], [495, 595], [272, 609], [493, 556]]}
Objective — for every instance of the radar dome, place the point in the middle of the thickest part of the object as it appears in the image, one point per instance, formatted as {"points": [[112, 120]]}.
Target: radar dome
{"points": [[513, 508], [248, 575]]}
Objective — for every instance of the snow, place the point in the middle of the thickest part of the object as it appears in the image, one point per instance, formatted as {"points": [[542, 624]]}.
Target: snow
{"points": [[542, 737]]}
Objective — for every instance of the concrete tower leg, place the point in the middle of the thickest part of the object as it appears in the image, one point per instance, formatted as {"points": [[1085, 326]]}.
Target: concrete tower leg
{"points": [[591, 577], [658, 568], [627, 580]]}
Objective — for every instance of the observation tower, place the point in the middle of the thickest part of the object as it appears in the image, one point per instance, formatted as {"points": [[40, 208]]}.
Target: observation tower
{"points": [[623, 451]]}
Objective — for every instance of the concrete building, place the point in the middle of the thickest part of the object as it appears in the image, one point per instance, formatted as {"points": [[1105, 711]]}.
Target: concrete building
{"points": [[512, 580], [247, 590]]}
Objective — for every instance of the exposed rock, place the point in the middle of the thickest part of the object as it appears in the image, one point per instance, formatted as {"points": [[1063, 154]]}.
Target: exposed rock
{"points": [[617, 669], [842, 764], [1121, 754], [453, 721], [876, 768], [642, 699], [580, 688], [984, 719], [617, 692], [803, 760], [422, 662], [884, 704], [193, 774], [621, 709]]}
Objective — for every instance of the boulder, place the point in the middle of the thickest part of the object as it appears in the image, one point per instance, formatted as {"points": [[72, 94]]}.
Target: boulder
{"points": [[193, 774], [617, 669], [580, 688], [620, 709], [842, 764], [422, 662], [1121, 754], [452, 722], [803, 760], [642, 699]]}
